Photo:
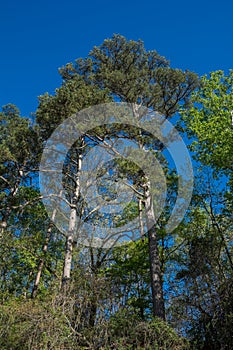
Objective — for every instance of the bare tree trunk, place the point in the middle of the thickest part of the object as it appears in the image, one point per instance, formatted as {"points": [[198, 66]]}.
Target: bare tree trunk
{"points": [[44, 251], [95, 266], [142, 234], [42, 260], [155, 269], [67, 260], [71, 231], [93, 311]]}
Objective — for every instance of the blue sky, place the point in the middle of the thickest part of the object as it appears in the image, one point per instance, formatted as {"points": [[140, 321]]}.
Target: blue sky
{"points": [[39, 37]]}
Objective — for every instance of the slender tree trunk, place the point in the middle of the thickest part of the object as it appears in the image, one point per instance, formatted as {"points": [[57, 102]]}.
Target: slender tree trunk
{"points": [[41, 264], [93, 311], [142, 234], [67, 260], [42, 260], [72, 224], [155, 269], [95, 266]]}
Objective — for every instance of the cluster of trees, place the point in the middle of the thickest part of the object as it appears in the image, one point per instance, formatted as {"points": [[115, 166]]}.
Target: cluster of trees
{"points": [[161, 291]]}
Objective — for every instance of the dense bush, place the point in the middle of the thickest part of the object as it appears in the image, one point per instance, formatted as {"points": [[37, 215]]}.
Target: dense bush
{"points": [[48, 325]]}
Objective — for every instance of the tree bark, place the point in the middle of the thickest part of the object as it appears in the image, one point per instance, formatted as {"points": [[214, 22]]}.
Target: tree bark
{"points": [[42, 260], [142, 234], [67, 260], [71, 231], [93, 312], [155, 269]]}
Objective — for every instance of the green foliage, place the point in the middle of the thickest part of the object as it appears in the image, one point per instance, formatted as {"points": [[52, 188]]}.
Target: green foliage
{"points": [[202, 305], [132, 74], [34, 325], [210, 121], [48, 324], [129, 212], [129, 273], [73, 96], [107, 303], [128, 332], [17, 140]]}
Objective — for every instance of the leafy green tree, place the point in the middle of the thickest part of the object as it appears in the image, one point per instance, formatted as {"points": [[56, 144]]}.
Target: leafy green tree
{"points": [[105, 301], [127, 72], [70, 98], [129, 274], [18, 152], [210, 121], [200, 302], [209, 125], [23, 219]]}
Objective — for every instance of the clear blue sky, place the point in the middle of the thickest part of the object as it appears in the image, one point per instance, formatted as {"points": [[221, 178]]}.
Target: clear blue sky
{"points": [[38, 37]]}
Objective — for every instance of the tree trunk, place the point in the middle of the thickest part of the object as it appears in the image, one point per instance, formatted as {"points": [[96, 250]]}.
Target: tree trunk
{"points": [[155, 270], [42, 260], [142, 234], [71, 231], [67, 260], [93, 311]]}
